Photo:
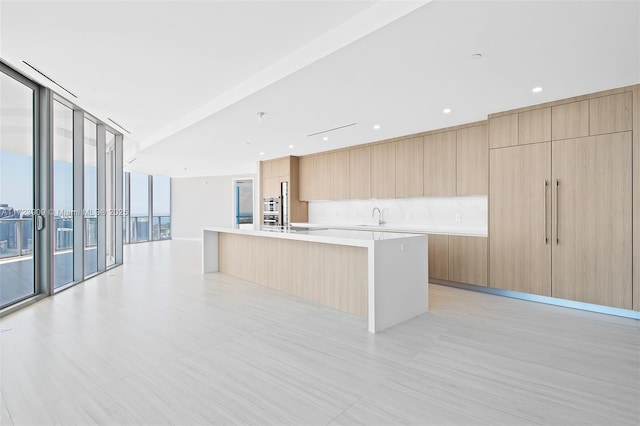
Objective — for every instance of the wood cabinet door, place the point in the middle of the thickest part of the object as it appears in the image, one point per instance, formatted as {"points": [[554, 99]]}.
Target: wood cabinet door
{"points": [[409, 168], [472, 161], [468, 260], [438, 256], [271, 187], [613, 113], [503, 131], [360, 173], [321, 177], [383, 170], [592, 220], [440, 165], [305, 175], [519, 219], [534, 126], [339, 177], [570, 120]]}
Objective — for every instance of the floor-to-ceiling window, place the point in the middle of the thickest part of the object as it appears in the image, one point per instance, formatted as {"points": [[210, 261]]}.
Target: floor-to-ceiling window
{"points": [[161, 207], [63, 193], [17, 191], [110, 210], [139, 207], [60, 177]]}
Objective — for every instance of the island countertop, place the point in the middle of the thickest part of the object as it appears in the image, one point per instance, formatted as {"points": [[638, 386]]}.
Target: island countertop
{"points": [[345, 237]]}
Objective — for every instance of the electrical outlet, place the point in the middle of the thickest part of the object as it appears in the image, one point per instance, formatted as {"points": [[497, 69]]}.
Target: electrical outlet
{"points": [[407, 216], [458, 217], [404, 247]]}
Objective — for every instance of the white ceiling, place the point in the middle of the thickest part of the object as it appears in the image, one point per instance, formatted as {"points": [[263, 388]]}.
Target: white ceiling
{"points": [[188, 78]]}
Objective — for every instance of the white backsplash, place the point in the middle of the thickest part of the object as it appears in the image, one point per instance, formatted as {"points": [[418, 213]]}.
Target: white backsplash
{"points": [[438, 214]]}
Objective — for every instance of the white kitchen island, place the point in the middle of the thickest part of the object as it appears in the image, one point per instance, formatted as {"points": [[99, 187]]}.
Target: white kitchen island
{"points": [[377, 275]]}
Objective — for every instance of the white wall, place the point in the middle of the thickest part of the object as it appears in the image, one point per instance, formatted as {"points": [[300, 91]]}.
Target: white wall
{"points": [[204, 201], [435, 214]]}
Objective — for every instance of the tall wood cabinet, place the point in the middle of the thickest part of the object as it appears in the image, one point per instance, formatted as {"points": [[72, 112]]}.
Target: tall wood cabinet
{"points": [[519, 219], [272, 174], [561, 212], [592, 219]]}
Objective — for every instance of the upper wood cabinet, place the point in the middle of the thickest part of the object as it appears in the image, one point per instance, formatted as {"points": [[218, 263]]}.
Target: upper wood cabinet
{"points": [[610, 114], [570, 120], [472, 161], [321, 177], [438, 256], [360, 173], [503, 131], [306, 178], [339, 175], [409, 168], [440, 165], [534, 126], [468, 259], [383, 170], [271, 187]]}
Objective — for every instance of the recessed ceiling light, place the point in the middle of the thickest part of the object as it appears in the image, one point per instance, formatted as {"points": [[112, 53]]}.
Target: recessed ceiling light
{"points": [[262, 153], [291, 146], [537, 89], [326, 138], [446, 111], [376, 126]]}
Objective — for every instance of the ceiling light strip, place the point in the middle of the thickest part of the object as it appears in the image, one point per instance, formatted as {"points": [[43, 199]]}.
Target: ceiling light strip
{"points": [[331, 130], [119, 125], [50, 79]]}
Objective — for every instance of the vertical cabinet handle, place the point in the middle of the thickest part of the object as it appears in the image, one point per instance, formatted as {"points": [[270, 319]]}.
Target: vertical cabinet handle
{"points": [[544, 195], [557, 223]]}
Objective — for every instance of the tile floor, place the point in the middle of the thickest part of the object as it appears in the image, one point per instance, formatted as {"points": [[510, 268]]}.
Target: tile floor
{"points": [[155, 342]]}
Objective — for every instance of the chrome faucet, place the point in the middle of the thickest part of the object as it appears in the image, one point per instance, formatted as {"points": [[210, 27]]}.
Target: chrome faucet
{"points": [[373, 214]]}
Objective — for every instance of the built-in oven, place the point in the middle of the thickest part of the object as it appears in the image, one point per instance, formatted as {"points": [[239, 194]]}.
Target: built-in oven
{"points": [[271, 211]]}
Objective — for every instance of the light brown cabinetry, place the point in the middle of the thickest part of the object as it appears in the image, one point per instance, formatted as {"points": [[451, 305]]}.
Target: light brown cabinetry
{"points": [[519, 222], [409, 168], [613, 113], [534, 126], [360, 173], [592, 220], [440, 164], [503, 131], [438, 256], [472, 161], [563, 231], [468, 260], [339, 175], [272, 174], [321, 177], [570, 120], [383, 170], [306, 178]]}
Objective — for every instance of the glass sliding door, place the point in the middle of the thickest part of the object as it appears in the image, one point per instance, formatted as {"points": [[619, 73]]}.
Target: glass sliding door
{"points": [[90, 198], [63, 193], [17, 195]]}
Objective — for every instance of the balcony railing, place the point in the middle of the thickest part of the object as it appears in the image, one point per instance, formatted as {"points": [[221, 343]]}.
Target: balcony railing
{"points": [[161, 228], [16, 236]]}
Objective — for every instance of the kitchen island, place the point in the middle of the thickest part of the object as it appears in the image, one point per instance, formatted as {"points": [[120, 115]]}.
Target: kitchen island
{"points": [[380, 276]]}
